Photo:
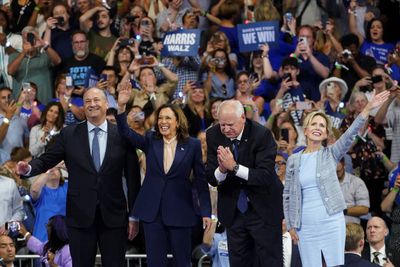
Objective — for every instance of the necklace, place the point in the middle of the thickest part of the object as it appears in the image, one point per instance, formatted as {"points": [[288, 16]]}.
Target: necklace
{"points": [[22, 11]]}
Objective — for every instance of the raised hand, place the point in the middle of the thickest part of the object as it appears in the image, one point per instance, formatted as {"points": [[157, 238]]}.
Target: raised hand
{"points": [[22, 168], [379, 99], [124, 94]]}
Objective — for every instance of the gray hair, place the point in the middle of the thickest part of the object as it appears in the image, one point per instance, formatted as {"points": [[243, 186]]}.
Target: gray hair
{"points": [[354, 95], [236, 104], [97, 89], [27, 29]]}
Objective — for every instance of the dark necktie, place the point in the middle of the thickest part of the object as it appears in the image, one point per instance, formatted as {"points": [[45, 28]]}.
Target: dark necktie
{"points": [[96, 148], [376, 257], [241, 204]]}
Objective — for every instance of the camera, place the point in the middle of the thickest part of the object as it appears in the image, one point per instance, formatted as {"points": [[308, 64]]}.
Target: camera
{"points": [[12, 226], [126, 42], [26, 87], [288, 17], [287, 75], [60, 21], [376, 79], [145, 23], [346, 54], [30, 37], [303, 40], [131, 18], [145, 60], [215, 60], [284, 133]]}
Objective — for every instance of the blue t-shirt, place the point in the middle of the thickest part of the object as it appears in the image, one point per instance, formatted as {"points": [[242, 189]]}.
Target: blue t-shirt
{"points": [[309, 79], [335, 115], [26, 113], [395, 72], [378, 51], [70, 118], [50, 202], [292, 96], [218, 250]]}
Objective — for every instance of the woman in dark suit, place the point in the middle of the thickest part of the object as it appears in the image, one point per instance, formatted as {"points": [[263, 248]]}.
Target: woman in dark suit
{"points": [[165, 202]]}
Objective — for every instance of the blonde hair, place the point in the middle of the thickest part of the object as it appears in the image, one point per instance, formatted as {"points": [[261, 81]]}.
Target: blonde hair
{"points": [[312, 115], [354, 234], [206, 102], [221, 36], [266, 11]]}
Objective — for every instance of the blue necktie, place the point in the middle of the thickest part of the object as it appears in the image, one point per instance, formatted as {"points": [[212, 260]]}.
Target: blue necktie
{"points": [[96, 149], [241, 204]]}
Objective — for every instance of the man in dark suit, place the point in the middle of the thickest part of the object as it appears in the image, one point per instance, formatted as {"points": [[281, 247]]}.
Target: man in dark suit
{"points": [[96, 158], [376, 250], [353, 247], [240, 161]]}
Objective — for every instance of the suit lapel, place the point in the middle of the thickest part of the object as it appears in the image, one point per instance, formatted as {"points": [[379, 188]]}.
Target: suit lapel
{"points": [[180, 152], [111, 132], [159, 152], [244, 140], [83, 136]]}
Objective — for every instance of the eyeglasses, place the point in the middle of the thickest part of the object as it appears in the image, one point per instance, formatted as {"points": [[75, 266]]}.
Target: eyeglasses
{"points": [[280, 163]]}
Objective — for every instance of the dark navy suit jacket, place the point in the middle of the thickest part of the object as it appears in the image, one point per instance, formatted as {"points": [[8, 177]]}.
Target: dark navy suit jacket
{"points": [[354, 260], [169, 195]]}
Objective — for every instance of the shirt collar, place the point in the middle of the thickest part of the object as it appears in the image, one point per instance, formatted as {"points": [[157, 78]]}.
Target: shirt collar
{"points": [[239, 137], [102, 126], [382, 250], [170, 141]]}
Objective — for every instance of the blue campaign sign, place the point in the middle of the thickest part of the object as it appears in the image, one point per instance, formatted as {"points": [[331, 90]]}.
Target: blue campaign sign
{"points": [[252, 35], [181, 43]]}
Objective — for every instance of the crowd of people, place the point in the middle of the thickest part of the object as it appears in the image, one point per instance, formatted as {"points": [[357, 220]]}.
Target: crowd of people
{"points": [[288, 155]]}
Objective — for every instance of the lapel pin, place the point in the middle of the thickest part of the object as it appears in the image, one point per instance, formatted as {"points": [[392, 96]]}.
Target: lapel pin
{"points": [[182, 149]]}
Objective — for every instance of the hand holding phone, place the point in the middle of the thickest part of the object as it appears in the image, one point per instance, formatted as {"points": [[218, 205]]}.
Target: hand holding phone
{"points": [[284, 134], [30, 37]]}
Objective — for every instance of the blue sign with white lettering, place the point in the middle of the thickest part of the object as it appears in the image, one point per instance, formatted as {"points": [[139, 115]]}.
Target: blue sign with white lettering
{"points": [[181, 43], [252, 35]]}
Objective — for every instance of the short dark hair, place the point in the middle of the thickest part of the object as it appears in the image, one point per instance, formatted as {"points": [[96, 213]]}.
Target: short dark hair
{"points": [[183, 128], [349, 39], [290, 61], [20, 153], [5, 88], [112, 111]]}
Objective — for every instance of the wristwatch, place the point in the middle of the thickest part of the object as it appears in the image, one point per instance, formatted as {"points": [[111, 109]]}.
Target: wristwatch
{"points": [[235, 168], [6, 121]]}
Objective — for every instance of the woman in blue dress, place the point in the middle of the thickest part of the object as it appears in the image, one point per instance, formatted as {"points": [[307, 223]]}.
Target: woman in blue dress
{"points": [[314, 206]]}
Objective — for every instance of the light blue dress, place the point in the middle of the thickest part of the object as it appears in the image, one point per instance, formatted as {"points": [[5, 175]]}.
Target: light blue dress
{"points": [[318, 231]]}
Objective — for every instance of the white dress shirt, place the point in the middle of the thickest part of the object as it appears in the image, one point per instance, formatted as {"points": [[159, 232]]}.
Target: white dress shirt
{"points": [[102, 136], [287, 249]]}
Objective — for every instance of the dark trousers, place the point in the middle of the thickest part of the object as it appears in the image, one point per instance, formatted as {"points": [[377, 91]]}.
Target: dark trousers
{"points": [[251, 242], [112, 243], [161, 238]]}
